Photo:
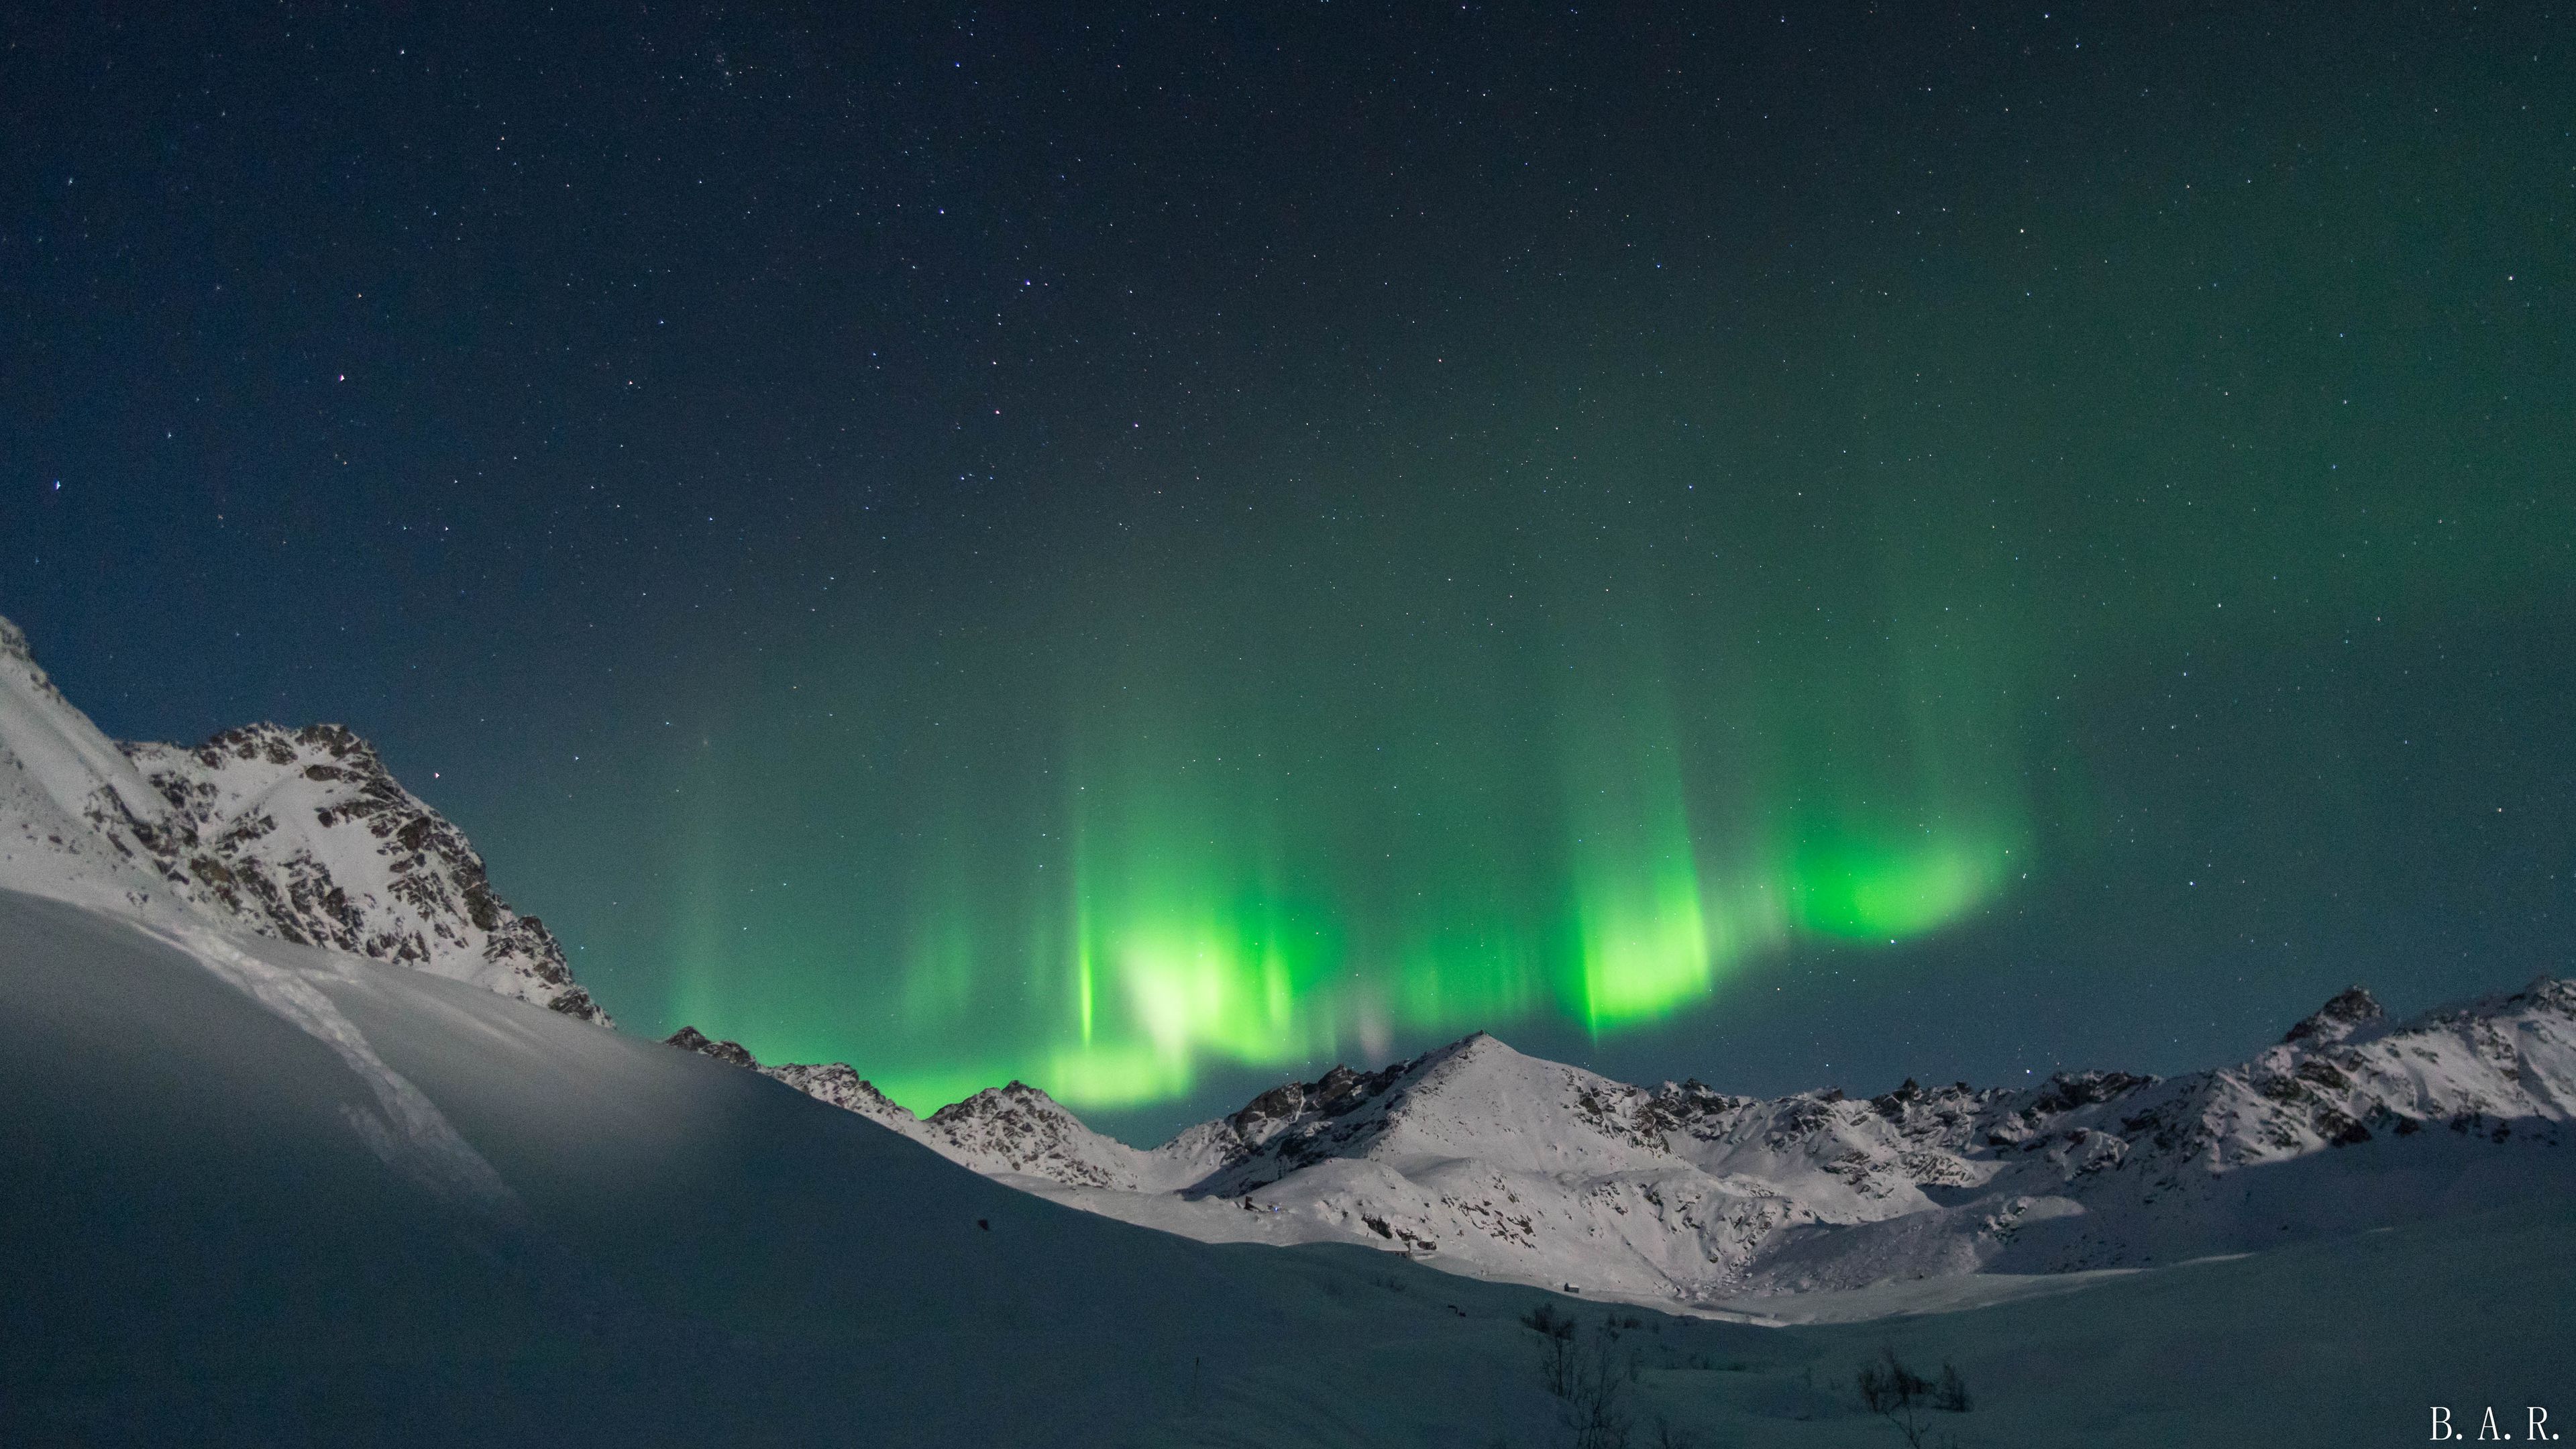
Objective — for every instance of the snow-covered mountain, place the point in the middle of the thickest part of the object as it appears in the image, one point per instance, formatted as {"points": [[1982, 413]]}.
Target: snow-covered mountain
{"points": [[300, 835], [271, 1192], [1490, 1163], [1472, 1157], [273, 1195]]}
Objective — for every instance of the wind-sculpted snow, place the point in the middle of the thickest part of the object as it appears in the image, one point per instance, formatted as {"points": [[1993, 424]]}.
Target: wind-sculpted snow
{"points": [[300, 835], [1486, 1162]]}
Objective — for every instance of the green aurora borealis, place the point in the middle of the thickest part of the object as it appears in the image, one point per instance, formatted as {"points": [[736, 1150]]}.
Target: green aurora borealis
{"points": [[1582, 739], [1150, 553], [1300, 801], [1614, 641]]}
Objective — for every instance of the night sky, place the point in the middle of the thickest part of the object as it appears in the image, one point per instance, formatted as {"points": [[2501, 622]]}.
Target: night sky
{"points": [[1151, 551]]}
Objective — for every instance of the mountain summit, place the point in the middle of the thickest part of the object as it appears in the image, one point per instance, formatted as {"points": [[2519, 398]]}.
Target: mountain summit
{"points": [[300, 835]]}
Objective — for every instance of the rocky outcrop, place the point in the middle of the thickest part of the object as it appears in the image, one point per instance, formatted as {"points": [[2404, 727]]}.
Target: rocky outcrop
{"points": [[731, 1053], [2349, 1010], [834, 1083], [305, 835], [302, 835]]}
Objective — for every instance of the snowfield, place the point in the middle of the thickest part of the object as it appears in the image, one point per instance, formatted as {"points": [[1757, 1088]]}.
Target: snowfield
{"points": [[310, 1140]]}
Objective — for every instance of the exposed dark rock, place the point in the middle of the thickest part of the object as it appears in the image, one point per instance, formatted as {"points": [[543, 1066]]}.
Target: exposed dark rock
{"points": [[2350, 1009], [2066, 1091], [732, 1053]]}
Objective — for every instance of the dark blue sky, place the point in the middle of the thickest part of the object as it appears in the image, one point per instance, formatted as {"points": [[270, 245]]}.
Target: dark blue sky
{"points": [[755, 470]]}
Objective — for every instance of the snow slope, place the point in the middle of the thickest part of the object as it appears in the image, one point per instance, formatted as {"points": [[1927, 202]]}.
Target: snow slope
{"points": [[1489, 1163], [276, 1194], [301, 835], [264, 1194]]}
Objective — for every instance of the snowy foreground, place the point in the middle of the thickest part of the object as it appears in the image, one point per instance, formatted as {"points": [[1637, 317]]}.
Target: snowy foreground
{"points": [[266, 1194], [310, 1140]]}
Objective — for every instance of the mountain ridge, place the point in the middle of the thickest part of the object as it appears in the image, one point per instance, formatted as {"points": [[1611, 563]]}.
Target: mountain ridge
{"points": [[1471, 1156], [1477, 1158], [302, 835]]}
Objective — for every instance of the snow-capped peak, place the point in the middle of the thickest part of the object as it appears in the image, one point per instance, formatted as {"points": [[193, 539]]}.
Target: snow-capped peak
{"points": [[302, 835]]}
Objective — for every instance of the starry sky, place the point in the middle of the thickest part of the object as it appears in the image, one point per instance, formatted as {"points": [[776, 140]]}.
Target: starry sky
{"points": [[1151, 550]]}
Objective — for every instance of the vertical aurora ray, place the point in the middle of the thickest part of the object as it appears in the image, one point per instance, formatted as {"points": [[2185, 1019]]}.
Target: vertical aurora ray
{"points": [[1084, 984], [1185, 936], [1640, 942], [1916, 816], [1600, 817]]}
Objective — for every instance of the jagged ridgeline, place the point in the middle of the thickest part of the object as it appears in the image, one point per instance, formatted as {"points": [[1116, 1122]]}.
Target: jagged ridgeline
{"points": [[1490, 1163], [301, 835], [1473, 1157]]}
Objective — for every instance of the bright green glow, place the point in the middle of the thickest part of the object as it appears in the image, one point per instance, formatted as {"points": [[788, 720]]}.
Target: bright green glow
{"points": [[1642, 942], [928, 1089], [1641, 956], [1610, 850], [1886, 891], [1186, 948], [1184, 943], [1162, 866], [1082, 977]]}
